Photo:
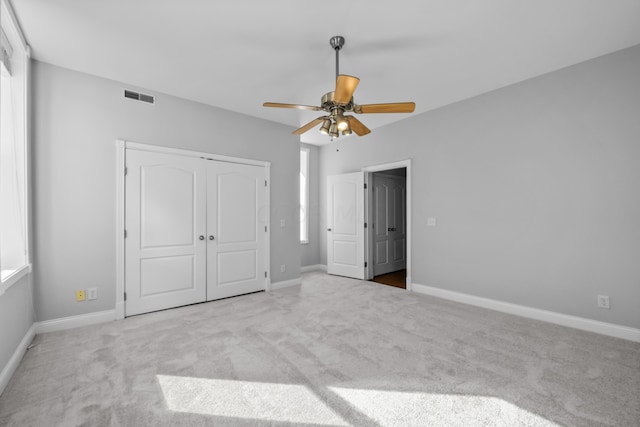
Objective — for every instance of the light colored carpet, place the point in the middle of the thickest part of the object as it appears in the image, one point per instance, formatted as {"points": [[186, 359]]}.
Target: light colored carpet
{"points": [[333, 351]]}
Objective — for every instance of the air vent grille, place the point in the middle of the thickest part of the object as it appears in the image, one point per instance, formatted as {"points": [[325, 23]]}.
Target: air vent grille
{"points": [[139, 96]]}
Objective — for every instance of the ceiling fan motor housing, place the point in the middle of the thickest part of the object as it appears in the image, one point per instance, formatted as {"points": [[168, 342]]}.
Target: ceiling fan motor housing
{"points": [[328, 104]]}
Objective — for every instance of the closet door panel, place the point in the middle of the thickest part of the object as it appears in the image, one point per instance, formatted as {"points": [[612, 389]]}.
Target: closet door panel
{"points": [[236, 220], [165, 214]]}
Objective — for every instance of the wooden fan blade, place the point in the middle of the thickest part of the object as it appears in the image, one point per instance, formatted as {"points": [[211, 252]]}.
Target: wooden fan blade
{"points": [[345, 86], [299, 107], [308, 126], [397, 107], [357, 126]]}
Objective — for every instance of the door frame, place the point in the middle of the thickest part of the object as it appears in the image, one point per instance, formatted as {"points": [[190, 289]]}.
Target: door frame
{"points": [[368, 251], [121, 148]]}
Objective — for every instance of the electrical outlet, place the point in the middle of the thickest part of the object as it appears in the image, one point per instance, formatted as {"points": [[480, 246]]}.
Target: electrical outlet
{"points": [[283, 268], [80, 296], [282, 223], [431, 222], [92, 293], [603, 301]]}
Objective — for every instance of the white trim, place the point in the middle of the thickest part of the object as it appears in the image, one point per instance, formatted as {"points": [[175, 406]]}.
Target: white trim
{"points": [[316, 267], [14, 278], [267, 221], [14, 21], [72, 322], [11, 24], [286, 283], [182, 152], [120, 227], [14, 362], [581, 323], [378, 168], [120, 310], [306, 203]]}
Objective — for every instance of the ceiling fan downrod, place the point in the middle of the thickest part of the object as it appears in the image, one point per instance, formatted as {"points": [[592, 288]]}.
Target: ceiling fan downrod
{"points": [[336, 43]]}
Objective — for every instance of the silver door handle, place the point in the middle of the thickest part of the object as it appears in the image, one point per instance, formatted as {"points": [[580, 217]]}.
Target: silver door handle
{"points": [[201, 237]]}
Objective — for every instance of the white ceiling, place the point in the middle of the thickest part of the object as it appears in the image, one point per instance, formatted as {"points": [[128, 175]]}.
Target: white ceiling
{"points": [[236, 54]]}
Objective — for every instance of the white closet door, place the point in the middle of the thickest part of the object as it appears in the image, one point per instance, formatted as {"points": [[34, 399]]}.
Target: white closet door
{"points": [[399, 236], [165, 218], [236, 234], [345, 225], [389, 224], [382, 225]]}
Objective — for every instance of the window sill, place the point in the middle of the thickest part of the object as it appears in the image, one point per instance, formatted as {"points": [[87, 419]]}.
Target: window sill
{"points": [[304, 242], [14, 278]]}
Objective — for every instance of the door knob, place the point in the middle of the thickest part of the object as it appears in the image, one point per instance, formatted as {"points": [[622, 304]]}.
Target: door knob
{"points": [[211, 237], [391, 229], [328, 229], [201, 237]]}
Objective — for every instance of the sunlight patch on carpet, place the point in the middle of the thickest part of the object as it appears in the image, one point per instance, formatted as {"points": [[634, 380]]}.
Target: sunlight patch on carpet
{"points": [[418, 408], [249, 400]]}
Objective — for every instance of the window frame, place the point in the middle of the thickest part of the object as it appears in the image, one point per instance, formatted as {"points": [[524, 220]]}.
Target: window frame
{"points": [[21, 57], [304, 204]]}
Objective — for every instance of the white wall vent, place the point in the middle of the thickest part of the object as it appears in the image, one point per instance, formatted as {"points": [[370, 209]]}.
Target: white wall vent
{"points": [[139, 96]]}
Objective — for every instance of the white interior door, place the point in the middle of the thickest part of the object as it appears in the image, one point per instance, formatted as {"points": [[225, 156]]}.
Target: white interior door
{"points": [[381, 225], [399, 229], [236, 236], [345, 225], [165, 218], [388, 224]]}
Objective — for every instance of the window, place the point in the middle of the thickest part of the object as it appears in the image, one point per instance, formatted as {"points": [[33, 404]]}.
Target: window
{"points": [[304, 195], [13, 151]]}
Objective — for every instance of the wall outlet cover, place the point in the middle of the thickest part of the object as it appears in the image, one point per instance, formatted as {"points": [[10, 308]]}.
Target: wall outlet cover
{"points": [[92, 293], [603, 301]]}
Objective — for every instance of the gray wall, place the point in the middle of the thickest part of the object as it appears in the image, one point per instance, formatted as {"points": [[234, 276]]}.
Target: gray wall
{"points": [[77, 118], [535, 188], [310, 253], [16, 317]]}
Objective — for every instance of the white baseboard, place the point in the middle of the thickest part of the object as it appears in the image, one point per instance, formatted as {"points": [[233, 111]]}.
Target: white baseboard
{"points": [[75, 321], [286, 283], [13, 363], [316, 267], [576, 322]]}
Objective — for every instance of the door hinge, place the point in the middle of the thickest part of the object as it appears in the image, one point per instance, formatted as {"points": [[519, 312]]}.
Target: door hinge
{"points": [[265, 182], [125, 234], [265, 274], [365, 225], [126, 171], [365, 185], [125, 296], [265, 228], [365, 263]]}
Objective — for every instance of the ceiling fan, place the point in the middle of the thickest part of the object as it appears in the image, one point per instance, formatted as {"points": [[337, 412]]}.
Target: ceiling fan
{"points": [[340, 101]]}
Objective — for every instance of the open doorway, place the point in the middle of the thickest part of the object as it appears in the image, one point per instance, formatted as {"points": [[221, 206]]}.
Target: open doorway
{"points": [[387, 226], [388, 218], [353, 249]]}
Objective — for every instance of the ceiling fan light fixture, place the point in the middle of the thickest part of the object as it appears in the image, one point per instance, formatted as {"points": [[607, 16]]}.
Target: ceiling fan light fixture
{"points": [[341, 122], [326, 125], [333, 131]]}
